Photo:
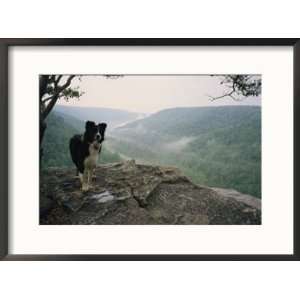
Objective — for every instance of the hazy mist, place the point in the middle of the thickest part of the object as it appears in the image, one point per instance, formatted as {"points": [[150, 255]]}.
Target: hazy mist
{"points": [[151, 93]]}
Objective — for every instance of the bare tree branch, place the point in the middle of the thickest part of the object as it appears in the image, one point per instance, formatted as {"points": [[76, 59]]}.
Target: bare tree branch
{"points": [[55, 96], [56, 81]]}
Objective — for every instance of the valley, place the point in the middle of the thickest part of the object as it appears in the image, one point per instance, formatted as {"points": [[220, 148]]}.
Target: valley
{"points": [[215, 146]]}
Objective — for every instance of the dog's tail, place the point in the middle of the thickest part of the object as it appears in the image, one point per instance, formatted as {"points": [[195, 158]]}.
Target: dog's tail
{"points": [[74, 146]]}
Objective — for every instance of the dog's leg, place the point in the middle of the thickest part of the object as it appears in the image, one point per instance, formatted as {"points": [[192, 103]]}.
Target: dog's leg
{"points": [[85, 180], [80, 177], [77, 174], [94, 174], [91, 177]]}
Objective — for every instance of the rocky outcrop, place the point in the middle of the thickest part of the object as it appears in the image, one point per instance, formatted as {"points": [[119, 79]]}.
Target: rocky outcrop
{"points": [[130, 193]]}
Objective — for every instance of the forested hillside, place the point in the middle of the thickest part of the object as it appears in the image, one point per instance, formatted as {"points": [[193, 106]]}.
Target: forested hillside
{"points": [[60, 128], [114, 117], [215, 146]]}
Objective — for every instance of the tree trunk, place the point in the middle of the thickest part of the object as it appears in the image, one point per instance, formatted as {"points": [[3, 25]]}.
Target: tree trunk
{"points": [[43, 127], [44, 111]]}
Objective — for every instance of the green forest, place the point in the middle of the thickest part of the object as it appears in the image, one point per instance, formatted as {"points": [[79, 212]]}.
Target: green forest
{"points": [[60, 128], [214, 146]]}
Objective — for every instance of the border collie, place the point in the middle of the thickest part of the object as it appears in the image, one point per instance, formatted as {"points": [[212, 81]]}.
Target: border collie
{"points": [[85, 150]]}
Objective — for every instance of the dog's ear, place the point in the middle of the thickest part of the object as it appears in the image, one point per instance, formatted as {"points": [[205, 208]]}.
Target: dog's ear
{"points": [[102, 128], [89, 124]]}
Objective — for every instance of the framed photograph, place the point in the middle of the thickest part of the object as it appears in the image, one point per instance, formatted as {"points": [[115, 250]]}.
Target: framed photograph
{"points": [[149, 149]]}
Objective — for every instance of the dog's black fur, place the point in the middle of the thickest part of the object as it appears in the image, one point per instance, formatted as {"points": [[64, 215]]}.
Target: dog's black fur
{"points": [[80, 144]]}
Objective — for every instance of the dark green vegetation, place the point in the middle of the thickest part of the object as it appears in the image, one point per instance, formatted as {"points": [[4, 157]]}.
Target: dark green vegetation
{"points": [[60, 128], [215, 146]]}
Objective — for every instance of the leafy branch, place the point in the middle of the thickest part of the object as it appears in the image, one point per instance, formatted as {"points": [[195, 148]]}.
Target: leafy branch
{"points": [[239, 87]]}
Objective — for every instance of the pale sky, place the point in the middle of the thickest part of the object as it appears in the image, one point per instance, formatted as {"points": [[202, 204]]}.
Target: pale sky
{"points": [[148, 94]]}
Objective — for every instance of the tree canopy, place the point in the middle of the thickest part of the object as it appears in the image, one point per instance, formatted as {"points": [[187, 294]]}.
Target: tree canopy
{"points": [[238, 87]]}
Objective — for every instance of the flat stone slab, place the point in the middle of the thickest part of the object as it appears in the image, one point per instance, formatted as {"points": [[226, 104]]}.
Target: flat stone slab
{"points": [[130, 193]]}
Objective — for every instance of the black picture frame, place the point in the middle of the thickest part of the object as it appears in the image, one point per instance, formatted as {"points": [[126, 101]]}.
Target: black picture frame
{"points": [[5, 44]]}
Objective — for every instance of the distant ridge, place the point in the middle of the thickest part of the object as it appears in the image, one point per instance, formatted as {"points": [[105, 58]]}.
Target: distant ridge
{"points": [[114, 117], [216, 146]]}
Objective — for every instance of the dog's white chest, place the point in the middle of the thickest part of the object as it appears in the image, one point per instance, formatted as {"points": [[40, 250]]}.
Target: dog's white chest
{"points": [[90, 161]]}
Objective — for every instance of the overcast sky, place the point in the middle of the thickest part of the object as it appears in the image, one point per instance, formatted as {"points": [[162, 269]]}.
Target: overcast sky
{"points": [[148, 94]]}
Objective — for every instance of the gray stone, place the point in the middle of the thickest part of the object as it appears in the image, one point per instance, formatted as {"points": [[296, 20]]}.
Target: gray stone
{"points": [[130, 193]]}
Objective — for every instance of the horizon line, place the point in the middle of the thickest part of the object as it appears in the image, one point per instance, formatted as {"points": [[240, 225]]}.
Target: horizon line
{"points": [[173, 107]]}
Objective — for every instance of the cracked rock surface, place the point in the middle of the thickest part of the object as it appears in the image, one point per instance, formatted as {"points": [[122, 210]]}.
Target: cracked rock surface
{"points": [[130, 193]]}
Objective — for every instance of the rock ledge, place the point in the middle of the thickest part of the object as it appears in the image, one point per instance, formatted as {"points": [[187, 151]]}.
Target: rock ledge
{"points": [[129, 193]]}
